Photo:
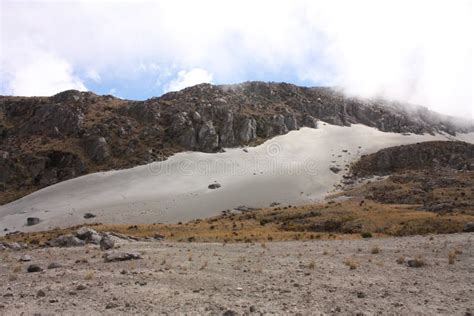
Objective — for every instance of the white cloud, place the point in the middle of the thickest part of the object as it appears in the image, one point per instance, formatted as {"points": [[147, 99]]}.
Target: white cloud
{"points": [[417, 50], [188, 78], [93, 75], [39, 74]]}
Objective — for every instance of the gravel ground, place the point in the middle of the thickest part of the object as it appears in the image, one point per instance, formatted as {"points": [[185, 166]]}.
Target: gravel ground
{"points": [[280, 278]]}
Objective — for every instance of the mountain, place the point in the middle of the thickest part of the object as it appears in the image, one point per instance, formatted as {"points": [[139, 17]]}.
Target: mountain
{"points": [[46, 140]]}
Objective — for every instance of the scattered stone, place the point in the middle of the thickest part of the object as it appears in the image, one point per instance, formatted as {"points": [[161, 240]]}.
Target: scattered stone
{"points": [[106, 243], [214, 186], [34, 268], [229, 312], [81, 287], [30, 221], [141, 282], [159, 237], [67, 241], [121, 256], [25, 258], [469, 227], [40, 293], [89, 215], [111, 305], [361, 294], [415, 263], [54, 265], [335, 169]]}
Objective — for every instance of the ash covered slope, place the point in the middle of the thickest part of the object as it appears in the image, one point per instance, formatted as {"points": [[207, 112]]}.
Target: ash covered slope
{"points": [[45, 140]]}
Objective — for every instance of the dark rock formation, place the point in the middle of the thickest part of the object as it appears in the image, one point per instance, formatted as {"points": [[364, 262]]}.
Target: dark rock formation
{"points": [[30, 221], [436, 154], [97, 148], [50, 139]]}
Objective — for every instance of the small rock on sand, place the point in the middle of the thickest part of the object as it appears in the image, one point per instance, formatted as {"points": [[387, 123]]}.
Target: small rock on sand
{"points": [[121, 256]]}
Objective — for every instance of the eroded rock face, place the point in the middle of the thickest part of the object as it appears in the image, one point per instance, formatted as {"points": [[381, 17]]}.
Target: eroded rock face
{"points": [[248, 130], [97, 148], [97, 133], [208, 139]]}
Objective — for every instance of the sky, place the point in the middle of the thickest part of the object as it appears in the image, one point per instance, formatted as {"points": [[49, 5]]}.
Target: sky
{"points": [[417, 51]]}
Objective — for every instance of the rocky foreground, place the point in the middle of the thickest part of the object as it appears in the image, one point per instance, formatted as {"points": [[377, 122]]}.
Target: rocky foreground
{"points": [[412, 275]]}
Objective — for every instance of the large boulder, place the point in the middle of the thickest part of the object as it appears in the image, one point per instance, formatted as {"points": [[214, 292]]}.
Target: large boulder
{"points": [[310, 121], [88, 235], [106, 243], [67, 241]]}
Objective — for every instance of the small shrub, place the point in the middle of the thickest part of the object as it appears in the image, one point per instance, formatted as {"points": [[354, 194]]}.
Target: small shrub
{"points": [[375, 250], [89, 275], [264, 221], [351, 263], [366, 235], [204, 265], [451, 257], [401, 260], [312, 265], [418, 262]]}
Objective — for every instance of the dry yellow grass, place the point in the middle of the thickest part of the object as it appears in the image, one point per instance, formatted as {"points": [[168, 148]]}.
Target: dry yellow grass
{"points": [[345, 220]]}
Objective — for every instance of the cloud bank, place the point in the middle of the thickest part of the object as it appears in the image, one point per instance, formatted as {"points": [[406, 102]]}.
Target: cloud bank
{"points": [[189, 78], [418, 51]]}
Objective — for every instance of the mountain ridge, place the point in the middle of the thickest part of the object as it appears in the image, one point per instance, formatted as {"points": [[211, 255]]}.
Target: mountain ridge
{"points": [[46, 140]]}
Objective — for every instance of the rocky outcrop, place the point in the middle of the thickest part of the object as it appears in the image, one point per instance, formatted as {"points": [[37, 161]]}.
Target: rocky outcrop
{"points": [[436, 154], [208, 139], [97, 148], [50, 139]]}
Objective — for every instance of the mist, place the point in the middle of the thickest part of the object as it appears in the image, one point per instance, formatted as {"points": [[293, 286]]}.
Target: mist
{"points": [[412, 51]]}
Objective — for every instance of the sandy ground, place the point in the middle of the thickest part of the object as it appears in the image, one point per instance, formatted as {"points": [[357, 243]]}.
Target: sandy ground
{"points": [[289, 169], [284, 277]]}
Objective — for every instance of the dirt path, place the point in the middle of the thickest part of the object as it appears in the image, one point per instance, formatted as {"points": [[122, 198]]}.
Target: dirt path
{"points": [[280, 277]]}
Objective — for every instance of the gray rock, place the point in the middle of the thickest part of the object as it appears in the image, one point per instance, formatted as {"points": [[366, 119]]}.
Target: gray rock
{"points": [[54, 265], [469, 227], [67, 241], [97, 148], [187, 139], [106, 243], [89, 215], [25, 258], [121, 256], [40, 293], [213, 186], [226, 132], [111, 305], [335, 169], [33, 268], [248, 130], [88, 235], [291, 122], [208, 140], [310, 121], [30, 221]]}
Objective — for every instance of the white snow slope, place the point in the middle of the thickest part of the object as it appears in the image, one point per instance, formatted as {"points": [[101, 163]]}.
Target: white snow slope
{"points": [[289, 169]]}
